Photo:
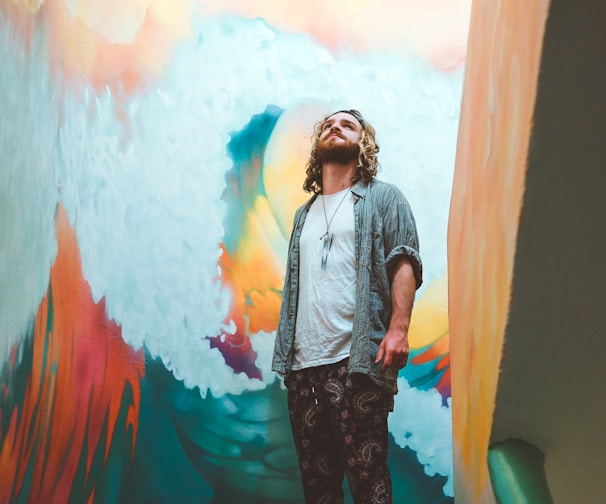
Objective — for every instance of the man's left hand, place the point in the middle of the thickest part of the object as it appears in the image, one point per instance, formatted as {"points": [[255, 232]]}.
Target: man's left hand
{"points": [[393, 350]]}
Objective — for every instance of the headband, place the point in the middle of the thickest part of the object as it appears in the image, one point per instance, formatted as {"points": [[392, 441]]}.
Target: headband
{"points": [[353, 113]]}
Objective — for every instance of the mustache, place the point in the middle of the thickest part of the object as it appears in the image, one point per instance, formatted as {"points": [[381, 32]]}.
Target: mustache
{"points": [[335, 132]]}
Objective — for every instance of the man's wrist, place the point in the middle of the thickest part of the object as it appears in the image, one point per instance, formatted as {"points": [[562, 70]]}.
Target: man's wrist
{"points": [[399, 326]]}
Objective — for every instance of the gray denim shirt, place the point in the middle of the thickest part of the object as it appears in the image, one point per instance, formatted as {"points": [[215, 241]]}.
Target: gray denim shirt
{"points": [[385, 231]]}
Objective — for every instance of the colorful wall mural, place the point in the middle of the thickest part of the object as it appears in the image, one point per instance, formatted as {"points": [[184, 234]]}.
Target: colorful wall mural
{"points": [[151, 160]]}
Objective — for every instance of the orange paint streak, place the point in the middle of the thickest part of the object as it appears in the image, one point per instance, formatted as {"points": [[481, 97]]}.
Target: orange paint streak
{"points": [[498, 103], [253, 273], [75, 390], [253, 283], [256, 282], [437, 350], [429, 331], [82, 52], [19, 17]]}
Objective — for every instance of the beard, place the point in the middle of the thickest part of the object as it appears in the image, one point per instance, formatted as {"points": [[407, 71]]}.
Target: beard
{"points": [[340, 153]]}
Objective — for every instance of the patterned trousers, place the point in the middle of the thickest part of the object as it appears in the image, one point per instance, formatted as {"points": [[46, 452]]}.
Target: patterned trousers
{"points": [[340, 428]]}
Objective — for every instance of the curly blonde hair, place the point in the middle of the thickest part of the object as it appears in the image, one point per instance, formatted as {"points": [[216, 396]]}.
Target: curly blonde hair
{"points": [[368, 164]]}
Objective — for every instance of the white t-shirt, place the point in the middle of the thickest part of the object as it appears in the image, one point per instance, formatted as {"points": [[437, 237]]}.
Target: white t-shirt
{"points": [[326, 295]]}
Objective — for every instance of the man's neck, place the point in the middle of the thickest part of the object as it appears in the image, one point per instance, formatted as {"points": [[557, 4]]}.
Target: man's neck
{"points": [[336, 177]]}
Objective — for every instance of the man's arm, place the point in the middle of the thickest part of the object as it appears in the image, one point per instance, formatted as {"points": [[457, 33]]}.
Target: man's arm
{"points": [[393, 350]]}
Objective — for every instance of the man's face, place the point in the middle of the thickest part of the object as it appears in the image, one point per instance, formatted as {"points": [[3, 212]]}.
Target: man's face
{"points": [[340, 138]]}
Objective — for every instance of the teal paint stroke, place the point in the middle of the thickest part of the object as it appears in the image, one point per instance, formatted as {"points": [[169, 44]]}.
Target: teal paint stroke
{"points": [[424, 376], [235, 448], [244, 182], [517, 473]]}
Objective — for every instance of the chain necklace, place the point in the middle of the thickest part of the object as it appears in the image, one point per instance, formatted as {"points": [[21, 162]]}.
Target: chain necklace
{"points": [[327, 237]]}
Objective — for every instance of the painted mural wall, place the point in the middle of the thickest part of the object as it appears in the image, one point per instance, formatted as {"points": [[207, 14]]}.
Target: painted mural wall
{"points": [[505, 43], [151, 159]]}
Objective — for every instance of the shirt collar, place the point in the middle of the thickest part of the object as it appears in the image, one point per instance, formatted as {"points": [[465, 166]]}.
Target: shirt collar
{"points": [[360, 189]]}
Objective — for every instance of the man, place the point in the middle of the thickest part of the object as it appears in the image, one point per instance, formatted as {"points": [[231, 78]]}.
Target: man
{"points": [[353, 268]]}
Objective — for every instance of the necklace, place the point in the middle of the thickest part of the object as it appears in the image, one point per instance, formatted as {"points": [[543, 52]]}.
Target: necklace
{"points": [[327, 237]]}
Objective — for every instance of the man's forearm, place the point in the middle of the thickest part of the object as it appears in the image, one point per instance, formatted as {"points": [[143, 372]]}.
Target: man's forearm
{"points": [[393, 350], [403, 289]]}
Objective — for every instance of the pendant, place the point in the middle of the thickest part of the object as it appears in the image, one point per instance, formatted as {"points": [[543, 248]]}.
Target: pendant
{"points": [[326, 248]]}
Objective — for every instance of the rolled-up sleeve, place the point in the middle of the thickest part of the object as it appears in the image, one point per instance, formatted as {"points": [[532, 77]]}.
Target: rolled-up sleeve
{"points": [[400, 233]]}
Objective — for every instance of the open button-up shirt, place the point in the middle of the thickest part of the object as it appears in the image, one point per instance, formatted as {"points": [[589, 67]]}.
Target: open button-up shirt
{"points": [[385, 232]]}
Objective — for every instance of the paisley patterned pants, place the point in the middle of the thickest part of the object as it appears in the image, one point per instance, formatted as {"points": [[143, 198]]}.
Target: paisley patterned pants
{"points": [[340, 428]]}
